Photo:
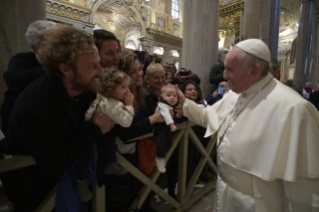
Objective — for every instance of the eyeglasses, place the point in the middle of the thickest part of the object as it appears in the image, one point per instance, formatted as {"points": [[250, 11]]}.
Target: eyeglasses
{"points": [[159, 78]]}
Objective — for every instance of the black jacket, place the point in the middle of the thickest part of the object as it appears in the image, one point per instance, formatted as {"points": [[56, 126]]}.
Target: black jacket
{"points": [[216, 75], [23, 69], [48, 125], [314, 99]]}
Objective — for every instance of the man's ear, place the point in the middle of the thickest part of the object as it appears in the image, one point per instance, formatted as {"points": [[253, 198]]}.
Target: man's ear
{"points": [[65, 69], [255, 70]]}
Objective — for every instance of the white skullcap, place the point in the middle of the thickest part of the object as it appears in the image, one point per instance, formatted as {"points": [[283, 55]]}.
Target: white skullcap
{"points": [[255, 47]]}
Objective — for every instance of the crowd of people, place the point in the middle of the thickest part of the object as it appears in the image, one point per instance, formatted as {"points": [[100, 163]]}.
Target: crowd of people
{"points": [[75, 90], [72, 91]]}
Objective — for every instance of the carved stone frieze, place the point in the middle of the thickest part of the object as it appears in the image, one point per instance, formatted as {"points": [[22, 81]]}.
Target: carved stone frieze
{"points": [[66, 9], [164, 38]]}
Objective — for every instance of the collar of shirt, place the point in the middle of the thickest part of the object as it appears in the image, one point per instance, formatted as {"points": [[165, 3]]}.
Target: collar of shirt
{"points": [[246, 96]]}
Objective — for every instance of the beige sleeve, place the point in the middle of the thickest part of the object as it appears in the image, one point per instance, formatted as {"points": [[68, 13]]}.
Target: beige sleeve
{"points": [[117, 111], [195, 112]]}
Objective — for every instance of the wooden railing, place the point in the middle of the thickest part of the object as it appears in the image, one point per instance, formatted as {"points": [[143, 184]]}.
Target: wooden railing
{"points": [[186, 196]]}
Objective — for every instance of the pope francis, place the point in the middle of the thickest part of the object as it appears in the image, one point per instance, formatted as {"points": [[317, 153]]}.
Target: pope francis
{"points": [[268, 138]]}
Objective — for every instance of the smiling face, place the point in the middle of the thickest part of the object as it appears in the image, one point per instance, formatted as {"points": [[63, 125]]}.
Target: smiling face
{"points": [[191, 92], [110, 54], [157, 81], [136, 73], [169, 94], [121, 90], [87, 72], [237, 75]]}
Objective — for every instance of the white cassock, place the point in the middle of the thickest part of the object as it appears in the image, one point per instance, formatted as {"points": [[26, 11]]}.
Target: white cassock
{"points": [[268, 159]]}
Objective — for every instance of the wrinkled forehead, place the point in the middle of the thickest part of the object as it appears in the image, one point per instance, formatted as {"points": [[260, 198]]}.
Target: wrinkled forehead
{"points": [[233, 55]]}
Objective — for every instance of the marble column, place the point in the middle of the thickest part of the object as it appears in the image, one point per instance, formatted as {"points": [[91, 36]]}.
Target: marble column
{"points": [[166, 56], [15, 17], [200, 38], [274, 20], [303, 43], [256, 20]]}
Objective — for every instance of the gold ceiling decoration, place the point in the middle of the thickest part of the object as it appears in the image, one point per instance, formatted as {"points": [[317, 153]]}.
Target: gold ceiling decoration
{"points": [[66, 9], [231, 9], [229, 15]]}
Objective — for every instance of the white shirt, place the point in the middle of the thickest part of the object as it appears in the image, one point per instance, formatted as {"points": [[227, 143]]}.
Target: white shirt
{"points": [[269, 148], [116, 110], [164, 110]]}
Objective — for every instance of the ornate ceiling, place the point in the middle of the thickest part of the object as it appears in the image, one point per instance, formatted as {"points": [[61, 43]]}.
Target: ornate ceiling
{"points": [[289, 19], [118, 18]]}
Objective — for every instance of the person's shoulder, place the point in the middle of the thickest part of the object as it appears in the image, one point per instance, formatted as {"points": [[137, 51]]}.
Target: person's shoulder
{"points": [[24, 55], [217, 66], [288, 99]]}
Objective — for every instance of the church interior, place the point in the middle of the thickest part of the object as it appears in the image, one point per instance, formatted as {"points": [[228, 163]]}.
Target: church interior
{"points": [[185, 33]]}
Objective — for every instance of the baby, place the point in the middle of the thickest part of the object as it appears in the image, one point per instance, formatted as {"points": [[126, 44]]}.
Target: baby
{"points": [[116, 101], [163, 131]]}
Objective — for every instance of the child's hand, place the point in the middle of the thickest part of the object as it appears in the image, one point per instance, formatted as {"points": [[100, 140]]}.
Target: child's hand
{"points": [[129, 99]]}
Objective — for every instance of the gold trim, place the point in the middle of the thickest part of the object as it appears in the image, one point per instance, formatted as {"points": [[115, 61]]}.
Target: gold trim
{"points": [[63, 13], [75, 5], [232, 8]]}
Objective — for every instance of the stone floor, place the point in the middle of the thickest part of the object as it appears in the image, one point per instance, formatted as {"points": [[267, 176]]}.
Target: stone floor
{"points": [[206, 203]]}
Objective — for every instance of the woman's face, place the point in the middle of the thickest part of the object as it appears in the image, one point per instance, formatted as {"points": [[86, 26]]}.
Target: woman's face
{"points": [[137, 73], [191, 92], [172, 69], [110, 54], [157, 81], [169, 80]]}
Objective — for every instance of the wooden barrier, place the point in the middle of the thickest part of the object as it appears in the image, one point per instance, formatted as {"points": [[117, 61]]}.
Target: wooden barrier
{"points": [[186, 196]]}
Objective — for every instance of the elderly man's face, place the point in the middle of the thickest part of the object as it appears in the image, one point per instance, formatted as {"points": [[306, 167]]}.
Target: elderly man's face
{"points": [[237, 76]]}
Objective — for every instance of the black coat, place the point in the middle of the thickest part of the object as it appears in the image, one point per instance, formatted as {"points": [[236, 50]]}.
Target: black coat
{"points": [[23, 69], [46, 124], [216, 75], [314, 99]]}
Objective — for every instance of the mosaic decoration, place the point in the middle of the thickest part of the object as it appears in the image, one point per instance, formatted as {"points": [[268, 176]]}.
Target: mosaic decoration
{"points": [[161, 24], [289, 21], [176, 30], [161, 5], [229, 41]]}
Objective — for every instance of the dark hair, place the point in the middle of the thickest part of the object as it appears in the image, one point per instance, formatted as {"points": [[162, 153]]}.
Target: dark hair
{"points": [[199, 91], [174, 67], [138, 91], [101, 35], [183, 69], [275, 64]]}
